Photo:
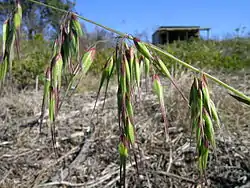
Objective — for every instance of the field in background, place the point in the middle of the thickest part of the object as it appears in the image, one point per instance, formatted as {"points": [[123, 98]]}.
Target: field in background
{"points": [[226, 56]]}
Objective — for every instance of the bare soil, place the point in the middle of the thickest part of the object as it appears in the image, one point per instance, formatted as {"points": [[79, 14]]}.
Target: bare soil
{"points": [[88, 144]]}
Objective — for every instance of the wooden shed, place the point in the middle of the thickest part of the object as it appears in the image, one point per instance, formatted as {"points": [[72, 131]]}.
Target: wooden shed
{"points": [[168, 34]]}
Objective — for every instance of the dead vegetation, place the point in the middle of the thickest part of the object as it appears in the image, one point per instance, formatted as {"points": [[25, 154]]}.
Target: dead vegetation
{"points": [[88, 145]]}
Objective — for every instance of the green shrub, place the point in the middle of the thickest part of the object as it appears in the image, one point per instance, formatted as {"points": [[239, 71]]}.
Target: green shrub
{"points": [[226, 55], [32, 64]]}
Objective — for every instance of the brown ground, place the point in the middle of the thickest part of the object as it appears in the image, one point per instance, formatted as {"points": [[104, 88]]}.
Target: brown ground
{"points": [[88, 147]]}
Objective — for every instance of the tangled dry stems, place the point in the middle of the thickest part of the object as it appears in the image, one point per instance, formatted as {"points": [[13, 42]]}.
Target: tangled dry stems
{"points": [[88, 149]]}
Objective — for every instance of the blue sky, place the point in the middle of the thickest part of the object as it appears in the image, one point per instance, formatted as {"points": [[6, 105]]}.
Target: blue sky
{"points": [[222, 16]]}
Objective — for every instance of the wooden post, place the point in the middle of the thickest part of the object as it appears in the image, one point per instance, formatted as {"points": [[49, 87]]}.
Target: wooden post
{"points": [[36, 87], [208, 33], [167, 37]]}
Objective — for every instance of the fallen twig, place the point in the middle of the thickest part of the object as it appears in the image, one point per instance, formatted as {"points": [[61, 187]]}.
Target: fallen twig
{"points": [[174, 176], [92, 183], [65, 183], [73, 150]]}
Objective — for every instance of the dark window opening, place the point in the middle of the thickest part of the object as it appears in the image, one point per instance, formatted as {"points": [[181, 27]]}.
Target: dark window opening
{"points": [[163, 38]]}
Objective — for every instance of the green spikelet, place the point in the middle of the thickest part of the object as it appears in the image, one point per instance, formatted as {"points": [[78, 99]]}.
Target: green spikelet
{"points": [[131, 62], [129, 107], [203, 157], [123, 78], [88, 59], [123, 151], [206, 96], [76, 26], [157, 87], [56, 71], [146, 67], [209, 130], [130, 131], [214, 113], [66, 49], [142, 48], [18, 16], [137, 71], [128, 75], [162, 67]]}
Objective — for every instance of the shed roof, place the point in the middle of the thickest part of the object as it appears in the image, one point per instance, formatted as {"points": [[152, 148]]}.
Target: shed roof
{"points": [[174, 28]]}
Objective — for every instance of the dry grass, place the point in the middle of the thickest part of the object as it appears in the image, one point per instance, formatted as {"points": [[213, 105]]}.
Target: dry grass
{"points": [[88, 149]]}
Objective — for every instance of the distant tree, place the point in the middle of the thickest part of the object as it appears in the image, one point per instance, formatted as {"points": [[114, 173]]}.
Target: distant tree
{"points": [[143, 35], [101, 35], [36, 18]]}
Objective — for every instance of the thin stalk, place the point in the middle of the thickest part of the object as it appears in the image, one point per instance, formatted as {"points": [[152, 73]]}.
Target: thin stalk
{"points": [[153, 47]]}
